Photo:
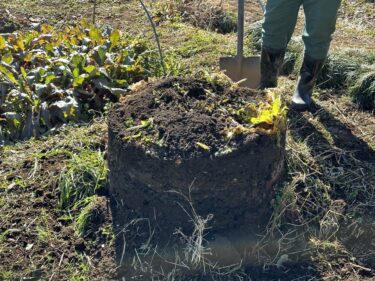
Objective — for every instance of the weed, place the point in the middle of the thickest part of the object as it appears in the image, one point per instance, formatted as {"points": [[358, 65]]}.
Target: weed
{"points": [[336, 71], [225, 22], [3, 200], [84, 177], [293, 57], [255, 33], [200, 42], [78, 271], [107, 231], [6, 275], [43, 232], [89, 216], [171, 61], [207, 16]]}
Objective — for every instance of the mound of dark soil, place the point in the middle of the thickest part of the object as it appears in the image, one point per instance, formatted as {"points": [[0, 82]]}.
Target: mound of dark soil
{"points": [[182, 118], [172, 162]]}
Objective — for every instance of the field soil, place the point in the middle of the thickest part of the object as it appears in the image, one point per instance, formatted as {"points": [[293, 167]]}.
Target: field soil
{"points": [[322, 227], [34, 232]]}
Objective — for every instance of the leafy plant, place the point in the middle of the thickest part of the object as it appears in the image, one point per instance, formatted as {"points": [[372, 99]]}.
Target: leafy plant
{"points": [[266, 117], [50, 77]]}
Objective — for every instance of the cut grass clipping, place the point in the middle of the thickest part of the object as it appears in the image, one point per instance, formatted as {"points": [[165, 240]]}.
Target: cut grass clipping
{"points": [[83, 179], [90, 217]]}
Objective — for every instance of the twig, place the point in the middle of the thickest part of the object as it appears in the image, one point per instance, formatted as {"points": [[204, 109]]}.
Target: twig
{"points": [[123, 249], [360, 267], [94, 13], [156, 36]]}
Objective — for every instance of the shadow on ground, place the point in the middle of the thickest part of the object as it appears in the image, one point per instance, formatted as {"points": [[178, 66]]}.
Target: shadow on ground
{"points": [[225, 255], [334, 147]]}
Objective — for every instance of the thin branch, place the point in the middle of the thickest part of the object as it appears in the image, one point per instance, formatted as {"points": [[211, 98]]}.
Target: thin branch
{"points": [[94, 13], [156, 36]]}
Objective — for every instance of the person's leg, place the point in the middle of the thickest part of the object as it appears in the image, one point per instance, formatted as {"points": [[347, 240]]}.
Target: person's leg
{"points": [[320, 24], [321, 16], [280, 20], [279, 23]]}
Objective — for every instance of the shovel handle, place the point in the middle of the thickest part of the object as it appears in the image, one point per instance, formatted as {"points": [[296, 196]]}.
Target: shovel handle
{"points": [[240, 27]]}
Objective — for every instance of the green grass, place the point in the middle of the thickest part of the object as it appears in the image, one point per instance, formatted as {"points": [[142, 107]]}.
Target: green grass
{"points": [[6, 275], [89, 217], [363, 91], [84, 176], [44, 233], [199, 48], [48, 9], [78, 271]]}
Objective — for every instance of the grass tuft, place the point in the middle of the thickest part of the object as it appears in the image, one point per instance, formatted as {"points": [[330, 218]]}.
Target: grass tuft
{"points": [[90, 216], [337, 71], [84, 177], [363, 92], [225, 22]]}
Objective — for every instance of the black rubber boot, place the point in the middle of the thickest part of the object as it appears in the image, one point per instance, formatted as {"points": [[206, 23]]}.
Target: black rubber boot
{"points": [[270, 65], [306, 83]]}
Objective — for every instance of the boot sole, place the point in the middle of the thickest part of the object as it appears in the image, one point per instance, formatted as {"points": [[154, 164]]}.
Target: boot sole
{"points": [[300, 107]]}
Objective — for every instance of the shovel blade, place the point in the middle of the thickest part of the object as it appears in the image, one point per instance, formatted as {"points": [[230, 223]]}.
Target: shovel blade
{"points": [[242, 68]]}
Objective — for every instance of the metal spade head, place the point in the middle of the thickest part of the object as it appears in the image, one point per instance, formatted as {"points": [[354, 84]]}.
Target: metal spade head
{"points": [[240, 68]]}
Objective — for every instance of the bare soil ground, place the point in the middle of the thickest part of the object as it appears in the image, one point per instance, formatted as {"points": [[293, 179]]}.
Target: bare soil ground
{"points": [[37, 241], [324, 218]]}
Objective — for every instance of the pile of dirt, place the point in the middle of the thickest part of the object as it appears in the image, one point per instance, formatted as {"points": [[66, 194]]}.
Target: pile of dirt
{"points": [[183, 118], [184, 155]]}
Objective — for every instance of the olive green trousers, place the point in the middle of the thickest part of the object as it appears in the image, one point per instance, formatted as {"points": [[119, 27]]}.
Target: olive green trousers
{"points": [[320, 23]]}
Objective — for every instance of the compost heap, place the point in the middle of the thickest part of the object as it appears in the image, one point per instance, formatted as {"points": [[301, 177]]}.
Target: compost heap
{"points": [[184, 118]]}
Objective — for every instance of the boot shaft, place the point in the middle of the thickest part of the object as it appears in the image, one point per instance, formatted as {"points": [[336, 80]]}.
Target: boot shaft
{"points": [[308, 76], [270, 65], [310, 70]]}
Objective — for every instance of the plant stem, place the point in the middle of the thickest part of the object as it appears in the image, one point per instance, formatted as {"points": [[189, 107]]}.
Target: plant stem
{"points": [[94, 13], [156, 36]]}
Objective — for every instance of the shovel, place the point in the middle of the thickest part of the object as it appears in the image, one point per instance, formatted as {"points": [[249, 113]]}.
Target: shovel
{"points": [[239, 68]]}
